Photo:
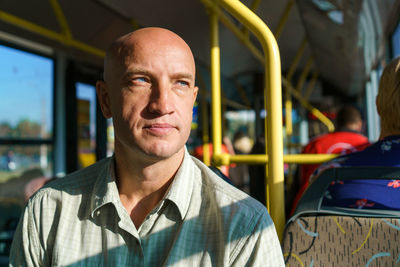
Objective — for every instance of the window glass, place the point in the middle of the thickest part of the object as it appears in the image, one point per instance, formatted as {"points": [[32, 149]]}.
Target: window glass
{"points": [[23, 170], [26, 88], [17, 159], [26, 132]]}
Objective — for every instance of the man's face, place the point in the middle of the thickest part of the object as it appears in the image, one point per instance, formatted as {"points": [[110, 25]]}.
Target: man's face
{"points": [[152, 94]]}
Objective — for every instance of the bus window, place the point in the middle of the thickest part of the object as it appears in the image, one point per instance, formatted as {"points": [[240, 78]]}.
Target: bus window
{"points": [[26, 129]]}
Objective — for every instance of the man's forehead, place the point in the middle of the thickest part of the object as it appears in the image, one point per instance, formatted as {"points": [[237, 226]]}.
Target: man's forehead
{"points": [[142, 45]]}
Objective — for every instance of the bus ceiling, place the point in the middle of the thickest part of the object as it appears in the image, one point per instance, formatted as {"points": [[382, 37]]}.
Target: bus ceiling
{"points": [[343, 40]]}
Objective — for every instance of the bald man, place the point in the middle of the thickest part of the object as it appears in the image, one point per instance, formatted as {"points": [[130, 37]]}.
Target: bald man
{"points": [[151, 203]]}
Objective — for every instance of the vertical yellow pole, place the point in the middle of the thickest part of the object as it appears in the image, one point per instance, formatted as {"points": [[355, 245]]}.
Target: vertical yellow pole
{"points": [[273, 88], [215, 84]]}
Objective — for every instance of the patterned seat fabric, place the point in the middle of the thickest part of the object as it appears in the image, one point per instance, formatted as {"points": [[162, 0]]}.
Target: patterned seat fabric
{"points": [[342, 241]]}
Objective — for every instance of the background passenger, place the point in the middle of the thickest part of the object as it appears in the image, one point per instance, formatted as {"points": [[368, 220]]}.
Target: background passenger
{"points": [[257, 183], [239, 172], [346, 139], [373, 194]]}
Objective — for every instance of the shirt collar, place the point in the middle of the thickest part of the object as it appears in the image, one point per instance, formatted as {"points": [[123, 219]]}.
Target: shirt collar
{"points": [[181, 189], [105, 189]]}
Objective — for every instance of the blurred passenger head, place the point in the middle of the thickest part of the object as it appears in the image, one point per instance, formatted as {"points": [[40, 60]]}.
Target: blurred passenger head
{"points": [[349, 117], [242, 143], [388, 99]]}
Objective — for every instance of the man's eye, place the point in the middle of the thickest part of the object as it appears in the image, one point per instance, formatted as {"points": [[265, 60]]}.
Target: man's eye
{"points": [[183, 83], [140, 79]]}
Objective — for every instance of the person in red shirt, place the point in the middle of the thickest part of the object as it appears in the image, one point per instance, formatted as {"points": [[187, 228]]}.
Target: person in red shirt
{"points": [[346, 139]]}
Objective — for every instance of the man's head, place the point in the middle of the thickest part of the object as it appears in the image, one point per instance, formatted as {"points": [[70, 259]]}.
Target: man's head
{"points": [[149, 91], [388, 99], [350, 118]]}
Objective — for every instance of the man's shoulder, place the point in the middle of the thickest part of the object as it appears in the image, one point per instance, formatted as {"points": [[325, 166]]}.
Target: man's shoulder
{"points": [[75, 183]]}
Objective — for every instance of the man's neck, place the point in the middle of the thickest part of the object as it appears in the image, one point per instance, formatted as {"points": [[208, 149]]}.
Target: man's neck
{"points": [[142, 184]]}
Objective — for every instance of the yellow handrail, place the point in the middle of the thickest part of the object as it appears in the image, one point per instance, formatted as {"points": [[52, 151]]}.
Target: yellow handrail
{"points": [[304, 102], [215, 86], [288, 158], [61, 19], [273, 104], [37, 29], [283, 19], [258, 55]]}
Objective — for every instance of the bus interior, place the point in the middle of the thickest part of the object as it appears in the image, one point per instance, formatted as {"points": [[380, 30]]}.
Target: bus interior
{"points": [[276, 70]]}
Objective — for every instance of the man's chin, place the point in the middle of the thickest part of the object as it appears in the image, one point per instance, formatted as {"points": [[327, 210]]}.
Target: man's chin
{"points": [[161, 153]]}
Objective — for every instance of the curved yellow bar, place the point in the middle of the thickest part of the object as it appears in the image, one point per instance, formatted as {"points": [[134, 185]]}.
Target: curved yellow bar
{"points": [[273, 106], [61, 38], [61, 19], [304, 102]]}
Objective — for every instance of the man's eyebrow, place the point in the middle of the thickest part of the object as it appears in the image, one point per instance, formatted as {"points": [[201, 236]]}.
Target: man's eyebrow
{"points": [[178, 75], [136, 71], [184, 75]]}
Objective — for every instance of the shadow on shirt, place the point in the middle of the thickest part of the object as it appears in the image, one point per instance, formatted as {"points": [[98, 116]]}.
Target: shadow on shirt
{"points": [[219, 234], [201, 241]]}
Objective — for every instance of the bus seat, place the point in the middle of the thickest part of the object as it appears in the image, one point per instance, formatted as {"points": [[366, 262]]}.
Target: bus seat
{"points": [[332, 236], [337, 240], [312, 198]]}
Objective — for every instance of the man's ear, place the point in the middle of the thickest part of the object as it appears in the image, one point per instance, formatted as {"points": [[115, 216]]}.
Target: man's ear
{"points": [[195, 91], [104, 99]]}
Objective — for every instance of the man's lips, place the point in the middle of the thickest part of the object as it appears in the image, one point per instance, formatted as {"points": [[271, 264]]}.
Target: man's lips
{"points": [[159, 128]]}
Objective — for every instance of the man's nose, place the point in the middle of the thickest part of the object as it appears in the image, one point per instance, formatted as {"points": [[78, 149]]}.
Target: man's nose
{"points": [[161, 101]]}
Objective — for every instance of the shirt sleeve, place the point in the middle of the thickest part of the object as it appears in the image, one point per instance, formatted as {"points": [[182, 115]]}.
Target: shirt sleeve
{"points": [[25, 248], [261, 247]]}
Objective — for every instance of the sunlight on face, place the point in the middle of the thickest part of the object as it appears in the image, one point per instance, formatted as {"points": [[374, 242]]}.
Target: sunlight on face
{"points": [[152, 101]]}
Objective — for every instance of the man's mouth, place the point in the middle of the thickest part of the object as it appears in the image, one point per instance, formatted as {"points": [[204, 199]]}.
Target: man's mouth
{"points": [[159, 129]]}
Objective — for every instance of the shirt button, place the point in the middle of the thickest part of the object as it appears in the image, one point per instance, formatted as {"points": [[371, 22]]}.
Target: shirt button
{"points": [[98, 213]]}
